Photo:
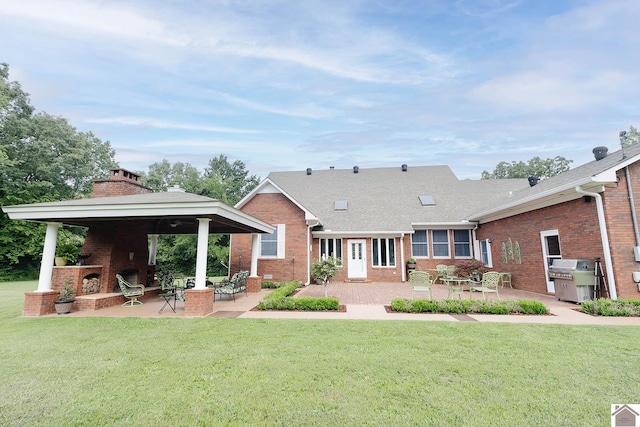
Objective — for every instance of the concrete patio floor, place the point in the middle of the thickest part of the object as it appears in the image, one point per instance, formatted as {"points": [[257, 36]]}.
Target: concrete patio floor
{"points": [[366, 301]]}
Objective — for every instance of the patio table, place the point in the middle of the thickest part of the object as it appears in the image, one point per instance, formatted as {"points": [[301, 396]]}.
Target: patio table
{"points": [[455, 285]]}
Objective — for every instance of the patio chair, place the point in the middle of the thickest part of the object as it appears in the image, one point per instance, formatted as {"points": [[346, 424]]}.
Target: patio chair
{"points": [[237, 284], [130, 291], [489, 284], [420, 282], [166, 281], [442, 271]]}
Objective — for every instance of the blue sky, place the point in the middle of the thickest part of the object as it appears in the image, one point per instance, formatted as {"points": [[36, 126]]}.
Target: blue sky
{"points": [[287, 85]]}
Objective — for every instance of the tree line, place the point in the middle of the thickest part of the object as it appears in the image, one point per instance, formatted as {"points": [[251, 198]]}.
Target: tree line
{"points": [[45, 159]]}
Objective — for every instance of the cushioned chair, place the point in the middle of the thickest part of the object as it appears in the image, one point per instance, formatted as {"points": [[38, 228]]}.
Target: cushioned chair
{"points": [[420, 282], [130, 291], [489, 284], [166, 281], [238, 283]]}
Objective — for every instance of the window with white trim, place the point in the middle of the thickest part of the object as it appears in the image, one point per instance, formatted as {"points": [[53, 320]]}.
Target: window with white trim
{"points": [[419, 244], [384, 252], [272, 245], [331, 247], [440, 243], [485, 253], [462, 243]]}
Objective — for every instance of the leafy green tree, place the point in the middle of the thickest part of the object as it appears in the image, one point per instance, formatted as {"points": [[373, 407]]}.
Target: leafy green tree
{"points": [[222, 180], [630, 137], [42, 158], [163, 175], [228, 182], [535, 167]]}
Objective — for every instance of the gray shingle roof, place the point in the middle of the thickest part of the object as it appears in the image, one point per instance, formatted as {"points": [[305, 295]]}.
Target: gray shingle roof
{"points": [[549, 191], [386, 200]]}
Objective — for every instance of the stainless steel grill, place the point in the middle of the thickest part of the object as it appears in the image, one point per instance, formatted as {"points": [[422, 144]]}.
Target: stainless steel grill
{"points": [[574, 279]]}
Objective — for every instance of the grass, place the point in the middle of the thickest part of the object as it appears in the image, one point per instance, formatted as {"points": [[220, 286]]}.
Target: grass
{"points": [[213, 371]]}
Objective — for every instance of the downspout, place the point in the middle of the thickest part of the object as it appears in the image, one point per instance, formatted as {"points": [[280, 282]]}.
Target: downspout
{"points": [[309, 249], [403, 275], [474, 238], [634, 217], [605, 241]]}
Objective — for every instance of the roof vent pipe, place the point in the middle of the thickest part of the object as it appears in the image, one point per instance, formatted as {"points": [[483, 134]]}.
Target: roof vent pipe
{"points": [[600, 152], [404, 167], [533, 180], [308, 171], [356, 169]]}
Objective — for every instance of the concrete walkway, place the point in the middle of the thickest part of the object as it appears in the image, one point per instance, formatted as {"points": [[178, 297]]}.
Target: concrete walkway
{"points": [[367, 301]]}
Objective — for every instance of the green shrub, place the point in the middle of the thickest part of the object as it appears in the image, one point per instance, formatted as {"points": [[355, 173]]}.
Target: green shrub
{"points": [[424, 306], [532, 307], [317, 304], [468, 306], [283, 291], [305, 303], [268, 284], [606, 307]]}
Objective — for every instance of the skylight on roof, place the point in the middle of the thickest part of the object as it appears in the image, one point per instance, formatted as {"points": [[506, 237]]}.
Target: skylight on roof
{"points": [[340, 205], [427, 200]]}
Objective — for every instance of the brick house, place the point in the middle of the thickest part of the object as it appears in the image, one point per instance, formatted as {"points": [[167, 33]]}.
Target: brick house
{"points": [[123, 221], [375, 219]]}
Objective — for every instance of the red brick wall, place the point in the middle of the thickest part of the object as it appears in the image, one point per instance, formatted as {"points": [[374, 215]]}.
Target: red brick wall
{"points": [[621, 233], [579, 232], [109, 246], [274, 209]]}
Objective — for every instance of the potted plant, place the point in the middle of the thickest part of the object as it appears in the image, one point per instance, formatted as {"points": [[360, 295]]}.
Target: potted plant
{"points": [[68, 248], [411, 265], [65, 300], [325, 269]]}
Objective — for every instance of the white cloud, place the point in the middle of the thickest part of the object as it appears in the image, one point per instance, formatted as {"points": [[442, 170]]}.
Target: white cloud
{"points": [[161, 124]]}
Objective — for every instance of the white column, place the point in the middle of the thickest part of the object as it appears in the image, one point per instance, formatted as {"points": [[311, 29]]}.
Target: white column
{"points": [[201, 256], [255, 250], [48, 254], [153, 249]]}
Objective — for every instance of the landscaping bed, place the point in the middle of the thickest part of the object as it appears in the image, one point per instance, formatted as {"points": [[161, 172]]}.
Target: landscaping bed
{"points": [[281, 299], [449, 306], [625, 307]]}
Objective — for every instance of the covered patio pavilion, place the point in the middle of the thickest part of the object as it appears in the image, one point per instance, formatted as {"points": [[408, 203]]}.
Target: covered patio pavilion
{"points": [[122, 235]]}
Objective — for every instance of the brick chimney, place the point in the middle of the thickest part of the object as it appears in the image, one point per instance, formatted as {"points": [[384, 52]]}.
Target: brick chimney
{"points": [[121, 182]]}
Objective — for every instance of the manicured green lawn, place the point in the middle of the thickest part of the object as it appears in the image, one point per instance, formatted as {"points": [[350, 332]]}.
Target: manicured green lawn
{"points": [[65, 371]]}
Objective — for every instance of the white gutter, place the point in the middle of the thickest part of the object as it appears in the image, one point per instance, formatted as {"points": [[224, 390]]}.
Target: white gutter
{"points": [[605, 241], [309, 249], [402, 269]]}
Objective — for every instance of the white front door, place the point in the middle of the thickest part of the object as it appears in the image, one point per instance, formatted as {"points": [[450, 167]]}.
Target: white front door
{"points": [[550, 251], [357, 264]]}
